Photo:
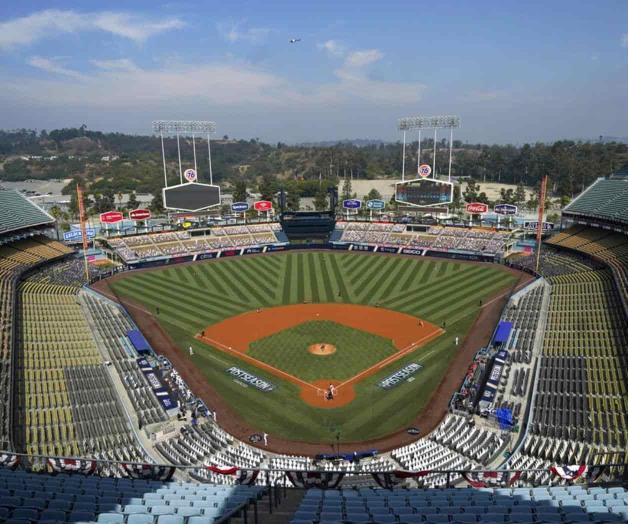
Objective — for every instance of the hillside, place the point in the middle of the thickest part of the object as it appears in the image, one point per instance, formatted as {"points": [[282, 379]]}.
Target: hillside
{"points": [[115, 162]]}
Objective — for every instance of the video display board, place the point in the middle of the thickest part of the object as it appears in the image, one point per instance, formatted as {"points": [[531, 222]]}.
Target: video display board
{"points": [[191, 197], [424, 192]]}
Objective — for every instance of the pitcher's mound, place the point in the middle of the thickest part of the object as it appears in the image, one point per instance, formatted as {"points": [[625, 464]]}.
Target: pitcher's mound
{"points": [[322, 349]]}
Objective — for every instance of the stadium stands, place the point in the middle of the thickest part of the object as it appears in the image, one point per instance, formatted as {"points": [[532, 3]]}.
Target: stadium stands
{"points": [[135, 248], [30, 497], [436, 238], [486, 505], [110, 327], [16, 258], [67, 404]]}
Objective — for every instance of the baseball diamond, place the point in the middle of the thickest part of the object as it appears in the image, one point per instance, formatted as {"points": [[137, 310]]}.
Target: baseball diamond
{"points": [[253, 312]]}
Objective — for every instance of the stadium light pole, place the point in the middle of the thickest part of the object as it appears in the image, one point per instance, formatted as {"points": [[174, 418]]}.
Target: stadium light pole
{"points": [[428, 122], [163, 158], [185, 127], [179, 153], [451, 145], [434, 159], [418, 153], [403, 158]]}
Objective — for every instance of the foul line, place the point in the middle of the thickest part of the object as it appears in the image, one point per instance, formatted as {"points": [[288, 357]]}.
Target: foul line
{"points": [[296, 380]]}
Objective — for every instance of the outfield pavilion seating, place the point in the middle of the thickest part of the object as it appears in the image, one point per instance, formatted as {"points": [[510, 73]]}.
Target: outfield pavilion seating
{"points": [[111, 326], [31, 497], [66, 402], [436, 237], [134, 248], [560, 504]]}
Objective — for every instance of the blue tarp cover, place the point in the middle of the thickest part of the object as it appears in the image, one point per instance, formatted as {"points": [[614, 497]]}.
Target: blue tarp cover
{"points": [[503, 332], [139, 342]]}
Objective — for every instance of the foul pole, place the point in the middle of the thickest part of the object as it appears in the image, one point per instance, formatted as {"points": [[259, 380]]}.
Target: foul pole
{"points": [[539, 225], [81, 206]]}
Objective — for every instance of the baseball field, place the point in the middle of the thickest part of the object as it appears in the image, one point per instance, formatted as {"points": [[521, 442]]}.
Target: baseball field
{"points": [[303, 320]]}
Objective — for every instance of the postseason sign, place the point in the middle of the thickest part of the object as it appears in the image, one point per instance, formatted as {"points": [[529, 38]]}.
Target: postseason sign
{"points": [[251, 380], [396, 378]]}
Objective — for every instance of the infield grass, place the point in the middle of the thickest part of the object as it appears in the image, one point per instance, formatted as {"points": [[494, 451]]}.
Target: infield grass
{"points": [[288, 350], [192, 296]]}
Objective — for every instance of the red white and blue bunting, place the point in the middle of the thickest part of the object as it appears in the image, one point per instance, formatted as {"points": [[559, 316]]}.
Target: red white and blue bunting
{"points": [[390, 479], [9, 460], [569, 472], [245, 477], [64, 465], [315, 479], [483, 479], [148, 471]]}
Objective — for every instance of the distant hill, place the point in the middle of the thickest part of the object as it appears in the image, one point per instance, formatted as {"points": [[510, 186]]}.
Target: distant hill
{"points": [[123, 163]]}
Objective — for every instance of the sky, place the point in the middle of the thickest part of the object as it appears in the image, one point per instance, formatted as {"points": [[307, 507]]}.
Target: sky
{"points": [[513, 71]]}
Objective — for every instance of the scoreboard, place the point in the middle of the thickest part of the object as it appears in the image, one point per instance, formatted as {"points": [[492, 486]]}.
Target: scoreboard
{"points": [[191, 196], [424, 192]]}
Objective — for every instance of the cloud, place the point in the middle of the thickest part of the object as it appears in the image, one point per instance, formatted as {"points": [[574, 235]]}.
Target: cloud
{"points": [[233, 33], [358, 59], [51, 22], [118, 64], [624, 40], [52, 66], [332, 47]]}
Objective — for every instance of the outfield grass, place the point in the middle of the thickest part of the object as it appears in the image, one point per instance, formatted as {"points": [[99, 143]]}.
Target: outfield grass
{"points": [[193, 296], [355, 350]]}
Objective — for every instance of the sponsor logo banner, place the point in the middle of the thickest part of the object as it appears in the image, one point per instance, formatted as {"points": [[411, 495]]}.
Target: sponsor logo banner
{"points": [[160, 392], [375, 204], [387, 249], [398, 377], [547, 226], [250, 379], [111, 217], [352, 203], [263, 205], [410, 251], [190, 175], [77, 234], [239, 207], [425, 170], [476, 208], [139, 214], [505, 209]]}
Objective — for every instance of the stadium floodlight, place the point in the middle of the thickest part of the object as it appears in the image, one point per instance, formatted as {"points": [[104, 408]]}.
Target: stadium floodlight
{"points": [[428, 122], [419, 123], [185, 127], [182, 127]]}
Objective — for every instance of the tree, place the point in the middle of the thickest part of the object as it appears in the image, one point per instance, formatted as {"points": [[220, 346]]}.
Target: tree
{"points": [[157, 204], [239, 191], [293, 200], [456, 203], [346, 189], [320, 201], [132, 203], [470, 194], [482, 198], [506, 196], [374, 194], [267, 187], [520, 194]]}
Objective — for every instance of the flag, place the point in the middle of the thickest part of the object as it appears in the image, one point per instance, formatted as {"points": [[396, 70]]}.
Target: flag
{"points": [[573, 472], [315, 479], [149, 471], [63, 465], [390, 479], [483, 479]]}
